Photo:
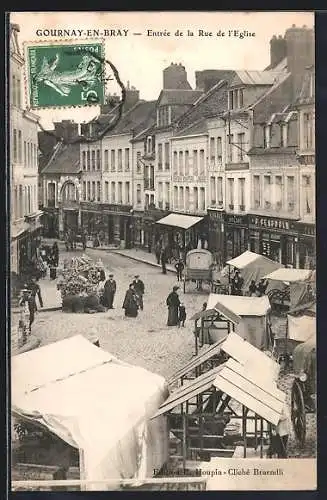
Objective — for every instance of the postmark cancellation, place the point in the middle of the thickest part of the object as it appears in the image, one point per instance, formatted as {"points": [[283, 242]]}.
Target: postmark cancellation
{"points": [[65, 74]]}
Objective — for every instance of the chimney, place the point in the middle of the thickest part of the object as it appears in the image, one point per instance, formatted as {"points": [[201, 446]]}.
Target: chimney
{"points": [[277, 50], [175, 77], [132, 97], [300, 53], [67, 129]]}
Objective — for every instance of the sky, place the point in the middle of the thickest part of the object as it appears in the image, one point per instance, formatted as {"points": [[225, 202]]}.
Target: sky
{"points": [[140, 59]]}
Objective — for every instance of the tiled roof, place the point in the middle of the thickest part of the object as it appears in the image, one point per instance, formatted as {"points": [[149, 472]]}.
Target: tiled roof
{"points": [[199, 127], [304, 96], [282, 65], [47, 142], [65, 160], [138, 118], [178, 97], [213, 103], [256, 77], [273, 100]]}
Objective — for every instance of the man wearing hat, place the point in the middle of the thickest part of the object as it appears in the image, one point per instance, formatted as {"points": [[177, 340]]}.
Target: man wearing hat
{"points": [[139, 289], [173, 303], [110, 287]]}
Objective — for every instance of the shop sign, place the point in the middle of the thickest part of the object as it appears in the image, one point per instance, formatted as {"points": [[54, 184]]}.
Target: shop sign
{"points": [[240, 220], [270, 223], [116, 208]]}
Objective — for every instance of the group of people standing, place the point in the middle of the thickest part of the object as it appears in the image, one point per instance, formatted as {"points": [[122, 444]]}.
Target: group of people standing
{"points": [[133, 301]]}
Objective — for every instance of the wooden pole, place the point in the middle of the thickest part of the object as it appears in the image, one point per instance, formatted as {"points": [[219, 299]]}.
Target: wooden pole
{"points": [[261, 438], [244, 430], [184, 440]]}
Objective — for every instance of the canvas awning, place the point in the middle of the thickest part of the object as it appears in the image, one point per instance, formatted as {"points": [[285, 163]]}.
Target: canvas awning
{"points": [[301, 328], [289, 275], [95, 403], [246, 387], [179, 220], [244, 259], [239, 305]]}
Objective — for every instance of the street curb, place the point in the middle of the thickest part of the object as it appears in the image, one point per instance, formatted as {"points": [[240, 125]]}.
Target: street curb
{"points": [[143, 261]]}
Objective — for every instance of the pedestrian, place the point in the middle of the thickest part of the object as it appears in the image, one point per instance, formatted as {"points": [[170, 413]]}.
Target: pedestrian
{"points": [[130, 303], [204, 306], [173, 303], [84, 240], [55, 253], [262, 287], [280, 434], [181, 315], [163, 258], [52, 267], [157, 251], [29, 299], [237, 283], [67, 241], [139, 289], [110, 288], [36, 291], [179, 266], [252, 289]]}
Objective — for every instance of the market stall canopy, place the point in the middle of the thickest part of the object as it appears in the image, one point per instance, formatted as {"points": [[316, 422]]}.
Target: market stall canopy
{"points": [[248, 388], [253, 312], [301, 328], [289, 275], [179, 220], [253, 267], [239, 305], [215, 308], [248, 355], [204, 355], [95, 403]]}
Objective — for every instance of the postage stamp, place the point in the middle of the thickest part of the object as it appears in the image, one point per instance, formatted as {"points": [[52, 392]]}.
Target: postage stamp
{"points": [[65, 75]]}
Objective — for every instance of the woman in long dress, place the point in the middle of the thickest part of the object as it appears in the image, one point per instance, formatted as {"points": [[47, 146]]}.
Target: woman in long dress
{"points": [[173, 303], [130, 303]]}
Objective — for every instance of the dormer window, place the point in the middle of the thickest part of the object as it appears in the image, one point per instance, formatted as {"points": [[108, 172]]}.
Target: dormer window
{"points": [[267, 136], [150, 144], [164, 116], [235, 99], [283, 135]]}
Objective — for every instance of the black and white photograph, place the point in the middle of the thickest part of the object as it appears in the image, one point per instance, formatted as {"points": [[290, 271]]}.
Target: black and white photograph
{"points": [[162, 251]]}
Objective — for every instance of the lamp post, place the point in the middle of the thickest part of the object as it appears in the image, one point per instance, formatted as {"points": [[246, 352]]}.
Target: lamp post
{"points": [[132, 227]]}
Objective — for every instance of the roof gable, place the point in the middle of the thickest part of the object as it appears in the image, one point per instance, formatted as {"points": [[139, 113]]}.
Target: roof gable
{"points": [[65, 160]]}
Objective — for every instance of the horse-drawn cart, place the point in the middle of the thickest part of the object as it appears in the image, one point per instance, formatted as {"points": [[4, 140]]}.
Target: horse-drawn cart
{"points": [[304, 387], [199, 268]]}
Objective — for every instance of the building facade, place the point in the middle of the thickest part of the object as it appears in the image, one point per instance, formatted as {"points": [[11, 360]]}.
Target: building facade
{"points": [[24, 214]]}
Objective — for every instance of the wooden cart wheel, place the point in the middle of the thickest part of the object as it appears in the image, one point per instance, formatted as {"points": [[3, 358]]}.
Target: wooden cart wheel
{"points": [[298, 414]]}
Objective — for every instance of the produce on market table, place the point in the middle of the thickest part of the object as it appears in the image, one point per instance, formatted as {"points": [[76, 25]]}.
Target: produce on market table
{"points": [[80, 277]]}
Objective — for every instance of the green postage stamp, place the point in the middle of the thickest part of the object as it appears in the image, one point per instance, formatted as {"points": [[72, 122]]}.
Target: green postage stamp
{"points": [[65, 74]]}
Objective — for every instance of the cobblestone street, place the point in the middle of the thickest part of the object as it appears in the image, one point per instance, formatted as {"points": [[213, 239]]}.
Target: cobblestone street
{"points": [[146, 340]]}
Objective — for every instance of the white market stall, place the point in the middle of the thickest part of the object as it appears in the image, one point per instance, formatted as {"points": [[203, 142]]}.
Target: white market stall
{"points": [[254, 313], [253, 266], [95, 403]]}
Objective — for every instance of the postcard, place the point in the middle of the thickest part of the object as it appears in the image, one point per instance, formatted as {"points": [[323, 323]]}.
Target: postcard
{"points": [[162, 251]]}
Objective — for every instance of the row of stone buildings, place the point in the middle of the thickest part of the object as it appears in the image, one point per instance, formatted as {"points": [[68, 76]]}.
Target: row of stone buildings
{"points": [[238, 151], [24, 206]]}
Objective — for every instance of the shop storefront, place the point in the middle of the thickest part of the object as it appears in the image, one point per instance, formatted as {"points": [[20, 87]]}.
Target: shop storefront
{"points": [[151, 232], [236, 235], [307, 245], [50, 222], [216, 220], [275, 238], [118, 224]]}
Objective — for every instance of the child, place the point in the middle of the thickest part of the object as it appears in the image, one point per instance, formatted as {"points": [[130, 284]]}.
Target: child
{"points": [[181, 315], [179, 269]]}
